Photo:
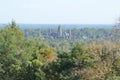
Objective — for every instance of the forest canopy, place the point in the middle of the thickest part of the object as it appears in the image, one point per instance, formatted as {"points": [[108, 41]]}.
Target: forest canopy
{"points": [[23, 57]]}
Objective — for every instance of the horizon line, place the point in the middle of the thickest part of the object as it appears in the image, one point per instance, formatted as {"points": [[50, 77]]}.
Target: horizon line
{"points": [[66, 23]]}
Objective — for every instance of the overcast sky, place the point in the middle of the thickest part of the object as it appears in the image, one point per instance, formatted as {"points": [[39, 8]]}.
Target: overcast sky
{"points": [[60, 11]]}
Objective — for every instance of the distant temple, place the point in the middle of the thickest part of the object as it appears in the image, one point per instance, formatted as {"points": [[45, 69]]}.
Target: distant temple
{"points": [[70, 34], [50, 30], [60, 33]]}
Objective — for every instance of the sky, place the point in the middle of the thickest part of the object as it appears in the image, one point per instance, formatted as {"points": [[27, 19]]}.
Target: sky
{"points": [[60, 11]]}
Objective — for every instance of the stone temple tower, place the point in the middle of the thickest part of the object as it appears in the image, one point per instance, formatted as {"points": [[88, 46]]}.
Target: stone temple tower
{"points": [[50, 30], [59, 30], [70, 35]]}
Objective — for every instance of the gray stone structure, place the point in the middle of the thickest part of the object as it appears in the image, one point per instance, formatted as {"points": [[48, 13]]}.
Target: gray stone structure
{"points": [[60, 33]]}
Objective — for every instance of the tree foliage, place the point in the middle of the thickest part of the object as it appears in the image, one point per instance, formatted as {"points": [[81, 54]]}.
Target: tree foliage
{"points": [[24, 58]]}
